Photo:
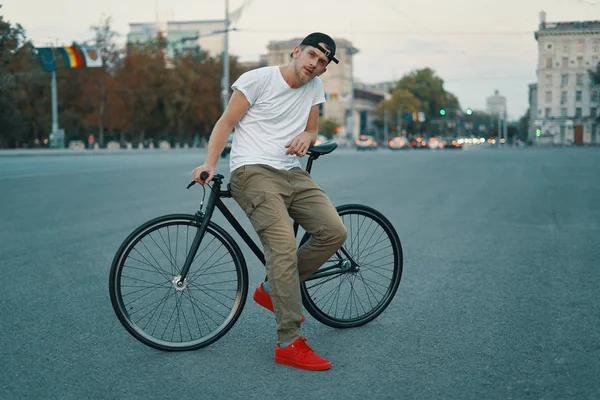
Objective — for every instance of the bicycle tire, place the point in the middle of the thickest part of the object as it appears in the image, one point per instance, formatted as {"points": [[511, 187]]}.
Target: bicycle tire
{"points": [[135, 257], [316, 304]]}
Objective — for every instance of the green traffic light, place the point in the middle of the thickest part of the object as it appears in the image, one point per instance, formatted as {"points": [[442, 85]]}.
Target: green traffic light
{"points": [[538, 132], [442, 112], [469, 111]]}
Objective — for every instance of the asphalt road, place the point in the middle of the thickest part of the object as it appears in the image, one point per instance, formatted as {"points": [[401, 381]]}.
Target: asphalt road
{"points": [[499, 297]]}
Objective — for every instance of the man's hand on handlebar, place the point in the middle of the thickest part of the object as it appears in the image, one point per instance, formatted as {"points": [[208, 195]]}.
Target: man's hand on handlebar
{"points": [[203, 174]]}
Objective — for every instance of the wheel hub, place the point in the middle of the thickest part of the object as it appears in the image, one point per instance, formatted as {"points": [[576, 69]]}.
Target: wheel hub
{"points": [[177, 284]]}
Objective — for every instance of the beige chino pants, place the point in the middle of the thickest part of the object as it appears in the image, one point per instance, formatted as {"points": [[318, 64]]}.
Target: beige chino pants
{"points": [[269, 197]]}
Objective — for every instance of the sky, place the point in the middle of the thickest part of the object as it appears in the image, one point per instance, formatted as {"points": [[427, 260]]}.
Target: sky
{"points": [[475, 46]]}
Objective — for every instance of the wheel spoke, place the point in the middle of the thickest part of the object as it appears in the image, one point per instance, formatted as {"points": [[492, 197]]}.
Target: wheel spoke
{"points": [[191, 315], [365, 290]]}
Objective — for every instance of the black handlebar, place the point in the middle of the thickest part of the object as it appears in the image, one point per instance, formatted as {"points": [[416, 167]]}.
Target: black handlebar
{"points": [[203, 176]]}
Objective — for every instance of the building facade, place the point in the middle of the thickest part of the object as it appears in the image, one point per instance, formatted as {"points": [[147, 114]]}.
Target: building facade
{"points": [[338, 84], [532, 112], [181, 36], [496, 105], [567, 100]]}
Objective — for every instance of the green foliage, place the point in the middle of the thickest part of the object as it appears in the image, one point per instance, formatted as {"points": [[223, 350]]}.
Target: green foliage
{"points": [[429, 90], [327, 128], [138, 94]]}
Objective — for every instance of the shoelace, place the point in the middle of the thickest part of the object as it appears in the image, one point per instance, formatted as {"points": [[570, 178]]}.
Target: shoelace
{"points": [[303, 348]]}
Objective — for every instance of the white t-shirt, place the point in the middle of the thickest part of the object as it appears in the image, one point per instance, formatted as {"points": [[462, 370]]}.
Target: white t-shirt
{"points": [[276, 115]]}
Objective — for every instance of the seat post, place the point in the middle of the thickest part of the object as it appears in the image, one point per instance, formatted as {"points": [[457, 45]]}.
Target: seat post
{"points": [[310, 162]]}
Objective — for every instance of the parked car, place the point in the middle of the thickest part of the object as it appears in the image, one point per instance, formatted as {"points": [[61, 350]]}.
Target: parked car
{"points": [[227, 148], [398, 143], [365, 142]]}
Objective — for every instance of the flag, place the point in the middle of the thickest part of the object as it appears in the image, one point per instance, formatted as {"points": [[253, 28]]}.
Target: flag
{"points": [[47, 59], [72, 57], [92, 56]]}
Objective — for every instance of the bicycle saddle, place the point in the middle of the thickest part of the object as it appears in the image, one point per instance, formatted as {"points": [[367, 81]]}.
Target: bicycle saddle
{"points": [[322, 149]]}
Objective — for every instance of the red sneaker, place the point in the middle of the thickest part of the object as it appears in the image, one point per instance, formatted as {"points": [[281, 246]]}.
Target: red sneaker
{"points": [[264, 299], [300, 355]]}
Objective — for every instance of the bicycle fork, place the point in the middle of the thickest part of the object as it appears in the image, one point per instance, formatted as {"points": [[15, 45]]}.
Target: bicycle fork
{"points": [[179, 281]]}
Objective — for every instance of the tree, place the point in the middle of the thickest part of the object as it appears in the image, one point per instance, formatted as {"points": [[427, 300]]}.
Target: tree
{"points": [[429, 90], [401, 102], [12, 126], [328, 127], [101, 79]]}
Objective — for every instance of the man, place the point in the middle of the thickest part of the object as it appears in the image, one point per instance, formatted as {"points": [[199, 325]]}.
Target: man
{"points": [[275, 112]]}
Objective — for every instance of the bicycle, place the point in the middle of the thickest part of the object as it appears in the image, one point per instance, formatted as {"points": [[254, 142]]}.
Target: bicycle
{"points": [[143, 282]]}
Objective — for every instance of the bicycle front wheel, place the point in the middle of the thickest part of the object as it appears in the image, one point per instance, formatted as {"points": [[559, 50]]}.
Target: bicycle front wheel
{"points": [[360, 280], [153, 308]]}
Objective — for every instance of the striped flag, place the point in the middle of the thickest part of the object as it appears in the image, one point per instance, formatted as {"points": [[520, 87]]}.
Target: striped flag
{"points": [[47, 60], [72, 57]]}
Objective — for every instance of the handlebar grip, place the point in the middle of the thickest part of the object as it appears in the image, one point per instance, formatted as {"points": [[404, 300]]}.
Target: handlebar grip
{"points": [[203, 176]]}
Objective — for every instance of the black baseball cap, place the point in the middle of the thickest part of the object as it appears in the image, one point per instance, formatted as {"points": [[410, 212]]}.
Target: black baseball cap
{"points": [[317, 37]]}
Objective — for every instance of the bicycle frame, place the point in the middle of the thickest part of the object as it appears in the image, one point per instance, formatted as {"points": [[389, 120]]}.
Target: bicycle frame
{"points": [[214, 200]]}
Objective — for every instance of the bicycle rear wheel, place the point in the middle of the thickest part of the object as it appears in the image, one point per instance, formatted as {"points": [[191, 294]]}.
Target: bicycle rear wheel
{"points": [[150, 305], [360, 280]]}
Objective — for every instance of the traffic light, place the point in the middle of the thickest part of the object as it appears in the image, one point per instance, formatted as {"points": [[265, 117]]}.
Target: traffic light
{"points": [[442, 112], [538, 132], [469, 111]]}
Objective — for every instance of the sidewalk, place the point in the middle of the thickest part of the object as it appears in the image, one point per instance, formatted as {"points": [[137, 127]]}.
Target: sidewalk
{"points": [[69, 152]]}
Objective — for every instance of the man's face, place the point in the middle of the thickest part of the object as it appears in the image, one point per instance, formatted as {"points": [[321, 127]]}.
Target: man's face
{"points": [[310, 62]]}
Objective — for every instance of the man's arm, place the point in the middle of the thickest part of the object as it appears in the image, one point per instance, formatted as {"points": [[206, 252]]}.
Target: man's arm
{"points": [[300, 144], [237, 107], [312, 126]]}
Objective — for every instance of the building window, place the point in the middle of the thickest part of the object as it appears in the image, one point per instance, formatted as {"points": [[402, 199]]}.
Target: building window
{"points": [[580, 46], [566, 47], [548, 112], [579, 80], [563, 97], [580, 61], [594, 96], [578, 95], [593, 112], [563, 112], [548, 97], [564, 80], [548, 62], [578, 112], [548, 80], [594, 61], [565, 62], [596, 46]]}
